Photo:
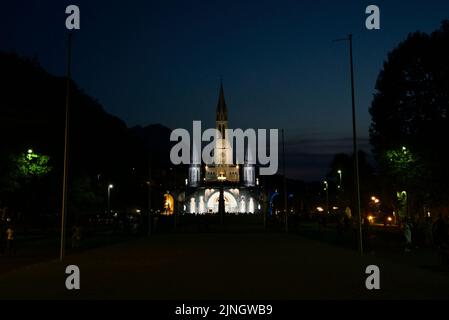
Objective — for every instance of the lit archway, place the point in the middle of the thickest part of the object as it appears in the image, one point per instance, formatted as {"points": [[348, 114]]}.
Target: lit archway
{"points": [[231, 204], [192, 205], [251, 205]]}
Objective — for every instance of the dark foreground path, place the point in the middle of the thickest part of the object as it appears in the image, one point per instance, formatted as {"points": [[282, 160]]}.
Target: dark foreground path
{"points": [[222, 266]]}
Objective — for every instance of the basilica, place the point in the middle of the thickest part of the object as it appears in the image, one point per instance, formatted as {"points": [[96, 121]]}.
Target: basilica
{"points": [[235, 184]]}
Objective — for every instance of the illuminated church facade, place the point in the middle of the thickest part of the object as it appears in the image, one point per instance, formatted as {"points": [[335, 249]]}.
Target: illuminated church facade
{"points": [[238, 182]]}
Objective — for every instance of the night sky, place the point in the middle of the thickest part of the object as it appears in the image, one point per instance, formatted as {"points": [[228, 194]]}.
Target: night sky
{"points": [[161, 61]]}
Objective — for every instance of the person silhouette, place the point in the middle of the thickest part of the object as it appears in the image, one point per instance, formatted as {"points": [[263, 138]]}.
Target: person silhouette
{"points": [[10, 240]]}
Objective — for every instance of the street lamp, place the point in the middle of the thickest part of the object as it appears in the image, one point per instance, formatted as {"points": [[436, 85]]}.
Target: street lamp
{"points": [[109, 197], [30, 154], [354, 144], [284, 181], [339, 174], [66, 148], [326, 188]]}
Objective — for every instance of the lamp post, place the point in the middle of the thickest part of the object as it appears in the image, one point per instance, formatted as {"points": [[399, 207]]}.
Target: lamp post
{"points": [[150, 217], [185, 195], [284, 181], [326, 188], [109, 197], [354, 143], [66, 149], [340, 181]]}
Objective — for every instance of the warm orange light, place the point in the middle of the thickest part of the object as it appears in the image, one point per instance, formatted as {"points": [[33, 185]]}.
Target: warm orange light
{"points": [[374, 199], [221, 177], [169, 204]]}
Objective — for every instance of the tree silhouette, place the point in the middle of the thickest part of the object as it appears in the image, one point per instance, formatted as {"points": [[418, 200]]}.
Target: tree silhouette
{"points": [[102, 149], [410, 117]]}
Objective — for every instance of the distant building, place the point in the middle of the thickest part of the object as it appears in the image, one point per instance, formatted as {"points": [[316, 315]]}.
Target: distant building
{"points": [[203, 185]]}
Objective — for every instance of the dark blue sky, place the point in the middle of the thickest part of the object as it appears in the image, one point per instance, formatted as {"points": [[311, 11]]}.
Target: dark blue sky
{"points": [[160, 61]]}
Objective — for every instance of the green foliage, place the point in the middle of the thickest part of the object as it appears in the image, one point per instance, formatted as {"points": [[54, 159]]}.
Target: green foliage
{"points": [[402, 203], [402, 162], [31, 165]]}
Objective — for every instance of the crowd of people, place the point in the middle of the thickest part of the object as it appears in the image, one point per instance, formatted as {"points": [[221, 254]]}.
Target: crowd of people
{"points": [[416, 233], [426, 232]]}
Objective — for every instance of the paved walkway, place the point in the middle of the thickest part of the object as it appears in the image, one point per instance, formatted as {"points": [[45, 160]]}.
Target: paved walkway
{"points": [[222, 266]]}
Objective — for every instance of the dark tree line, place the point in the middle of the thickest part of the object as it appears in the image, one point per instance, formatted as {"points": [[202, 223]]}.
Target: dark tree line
{"points": [[410, 120], [103, 150], [343, 189]]}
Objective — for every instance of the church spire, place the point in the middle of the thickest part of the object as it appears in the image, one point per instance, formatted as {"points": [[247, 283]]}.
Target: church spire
{"points": [[222, 112]]}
